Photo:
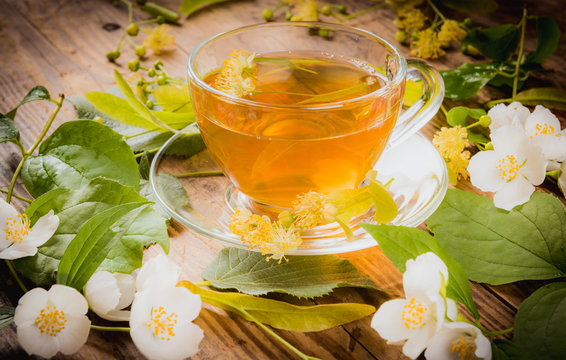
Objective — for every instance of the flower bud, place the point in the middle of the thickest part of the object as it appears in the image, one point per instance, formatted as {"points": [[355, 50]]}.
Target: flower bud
{"points": [[267, 14], [326, 10], [132, 29], [342, 9], [325, 33], [489, 146], [149, 104], [134, 65], [151, 73], [160, 20], [401, 37], [113, 55], [140, 51], [158, 65], [161, 80], [485, 121]]}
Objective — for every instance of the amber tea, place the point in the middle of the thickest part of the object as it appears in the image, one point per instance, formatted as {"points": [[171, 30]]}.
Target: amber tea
{"points": [[315, 125]]}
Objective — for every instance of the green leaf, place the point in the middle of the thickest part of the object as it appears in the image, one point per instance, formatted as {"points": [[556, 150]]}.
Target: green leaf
{"points": [[459, 116], [138, 143], [120, 110], [302, 276], [385, 206], [334, 95], [94, 241], [173, 98], [173, 190], [8, 130], [400, 243], [503, 349], [137, 105], [497, 43], [282, 315], [413, 92], [187, 144], [77, 152], [6, 315], [553, 98], [37, 93], [539, 323], [471, 6], [498, 247], [468, 79], [74, 208], [548, 33], [190, 6], [143, 167]]}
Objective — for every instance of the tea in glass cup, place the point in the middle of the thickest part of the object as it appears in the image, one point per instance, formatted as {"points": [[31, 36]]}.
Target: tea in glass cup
{"points": [[284, 112]]}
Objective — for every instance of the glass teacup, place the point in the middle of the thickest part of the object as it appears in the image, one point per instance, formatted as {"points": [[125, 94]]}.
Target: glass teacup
{"points": [[273, 152]]}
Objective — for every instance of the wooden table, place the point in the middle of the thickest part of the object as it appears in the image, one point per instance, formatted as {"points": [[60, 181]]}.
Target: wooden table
{"points": [[62, 44]]}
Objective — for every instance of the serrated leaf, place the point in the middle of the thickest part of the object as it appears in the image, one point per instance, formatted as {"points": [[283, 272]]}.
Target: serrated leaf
{"points": [[302, 276], [471, 6], [86, 252], [74, 208], [190, 6], [77, 152], [539, 323], [137, 137], [548, 34], [37, 93], [282, 315], [400, 243], [498, 247], [497, 43], [468, 79], [6, 316], [137, 105], [174, 98], [553, 98], [8, 130]]}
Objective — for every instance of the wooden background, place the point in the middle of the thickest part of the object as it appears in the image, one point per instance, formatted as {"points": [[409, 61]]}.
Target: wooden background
{"points": [[62, 44]]}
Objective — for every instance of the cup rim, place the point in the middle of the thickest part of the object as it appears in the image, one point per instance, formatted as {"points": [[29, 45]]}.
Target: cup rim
{"points": [[396, 81]]}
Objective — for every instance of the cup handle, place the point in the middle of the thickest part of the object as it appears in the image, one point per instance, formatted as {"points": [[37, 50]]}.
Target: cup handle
{"points": [[420, 113]]}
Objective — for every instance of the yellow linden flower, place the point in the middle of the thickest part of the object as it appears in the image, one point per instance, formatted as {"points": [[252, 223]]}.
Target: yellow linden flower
{"points": [[234, 77], [450, 143], [305, 10], [281, 240], [159, 39], [427, 45], [451, 31], [410, 19], [251, 227], [311, 209]]}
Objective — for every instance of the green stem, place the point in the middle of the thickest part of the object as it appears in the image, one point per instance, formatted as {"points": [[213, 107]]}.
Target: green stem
{"points": [[29, 201], [138, 134], [130, 10], [520, 56], [22, 149], [33, 147], [16, 276], [362, 12], [444, 111], [110, 328], [435, 9], [120, 41], [500, 332], [200, 174], [203, 283], [139, 155], [495, 102]]}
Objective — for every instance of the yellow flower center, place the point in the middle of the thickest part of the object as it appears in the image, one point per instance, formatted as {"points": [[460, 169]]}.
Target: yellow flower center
{"points": [[51, 321], [464, 348], [413, 315], [508, 167], [17, 229], [545, 129], [162, 323]]}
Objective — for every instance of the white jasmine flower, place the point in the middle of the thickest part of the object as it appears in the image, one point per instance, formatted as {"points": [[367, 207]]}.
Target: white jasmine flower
{"points": [[18, 239], [108, 293], [158, 272], [161, 323], [457, 341], [510, 169], [52, 321], [513, 114], [543, 128], [417, 318]]}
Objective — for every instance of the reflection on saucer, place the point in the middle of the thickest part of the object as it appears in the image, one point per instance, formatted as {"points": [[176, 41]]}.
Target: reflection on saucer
{"points": [[419, 184]]}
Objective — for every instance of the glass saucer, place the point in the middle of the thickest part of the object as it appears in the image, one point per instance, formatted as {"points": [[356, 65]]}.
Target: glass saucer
{"points": [[419, 185]]}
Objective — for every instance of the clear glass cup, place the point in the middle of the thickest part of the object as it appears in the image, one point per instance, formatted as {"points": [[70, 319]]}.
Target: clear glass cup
{"points": [[269, 169]]}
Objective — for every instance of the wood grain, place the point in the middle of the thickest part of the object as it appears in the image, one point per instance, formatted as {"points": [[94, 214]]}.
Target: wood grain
{"points": [[61, 45]]}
